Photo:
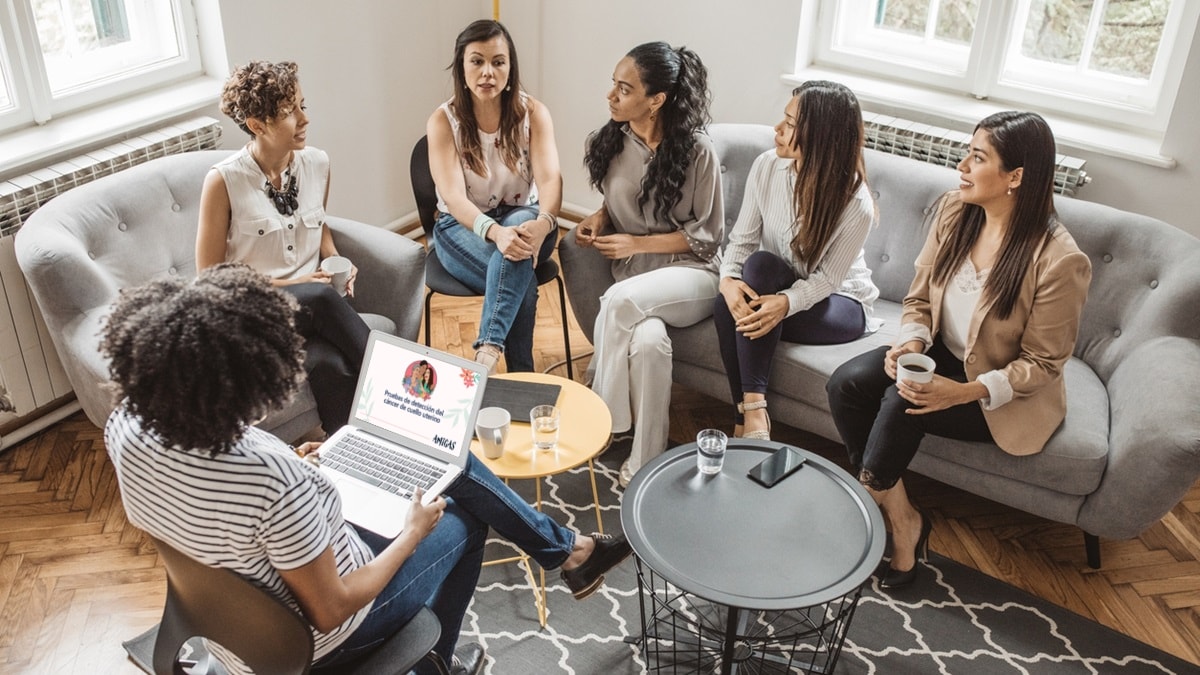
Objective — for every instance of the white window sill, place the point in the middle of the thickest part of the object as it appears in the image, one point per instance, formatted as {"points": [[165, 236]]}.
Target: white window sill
{"points": [[30, 148], [964, 112]]}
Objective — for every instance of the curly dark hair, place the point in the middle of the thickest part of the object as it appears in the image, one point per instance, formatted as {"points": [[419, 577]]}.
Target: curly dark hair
{"points": [[681, 75], [512, 106], [1022, 140], [260, 89], [199, 361]]}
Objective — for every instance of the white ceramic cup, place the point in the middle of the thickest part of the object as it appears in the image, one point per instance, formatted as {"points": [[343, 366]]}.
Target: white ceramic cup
{"points": [[491, 426], [915, 367], [339, 269]]}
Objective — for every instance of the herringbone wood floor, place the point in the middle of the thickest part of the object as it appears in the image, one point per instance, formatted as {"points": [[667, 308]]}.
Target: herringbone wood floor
{"points": [[76, 579]]}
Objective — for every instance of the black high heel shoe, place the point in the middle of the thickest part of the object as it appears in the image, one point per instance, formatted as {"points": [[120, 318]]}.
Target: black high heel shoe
{"points": [[895, 578]]}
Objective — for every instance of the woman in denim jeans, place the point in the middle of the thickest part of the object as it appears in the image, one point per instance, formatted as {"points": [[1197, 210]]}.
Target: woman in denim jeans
{"points": [[494, 161], [195, 363]]}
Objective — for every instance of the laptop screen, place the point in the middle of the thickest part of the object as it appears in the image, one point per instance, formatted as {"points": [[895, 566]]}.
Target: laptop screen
{"points": [[418, 397]]}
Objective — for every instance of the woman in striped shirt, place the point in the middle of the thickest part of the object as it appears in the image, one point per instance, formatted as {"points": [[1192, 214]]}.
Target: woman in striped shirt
{"points": [[793, 268], [194, 365]]}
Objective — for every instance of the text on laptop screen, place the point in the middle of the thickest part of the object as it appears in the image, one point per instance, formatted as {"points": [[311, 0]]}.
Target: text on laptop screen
{"points": [[418, 397]]}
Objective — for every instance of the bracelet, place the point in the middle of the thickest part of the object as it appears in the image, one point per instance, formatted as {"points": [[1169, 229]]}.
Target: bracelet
{"points": [[550, 218], [482, 222]]}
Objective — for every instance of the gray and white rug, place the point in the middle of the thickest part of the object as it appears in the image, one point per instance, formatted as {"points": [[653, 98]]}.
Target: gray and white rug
{"points": [[953, 621]]}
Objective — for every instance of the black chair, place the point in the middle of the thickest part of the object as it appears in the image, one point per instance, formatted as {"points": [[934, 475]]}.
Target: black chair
{"points": [[437, 279], [267, 635]]}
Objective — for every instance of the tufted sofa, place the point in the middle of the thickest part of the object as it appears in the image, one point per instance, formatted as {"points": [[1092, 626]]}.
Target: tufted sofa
{"points": [[1130, 445], [82, 247]]}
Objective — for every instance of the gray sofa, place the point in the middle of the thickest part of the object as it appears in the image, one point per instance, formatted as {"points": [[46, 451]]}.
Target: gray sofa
{"points": [[1130, 446], [82, 247]]}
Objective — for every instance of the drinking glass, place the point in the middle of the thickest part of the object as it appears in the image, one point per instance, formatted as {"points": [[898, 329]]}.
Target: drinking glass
{"points": [[710, 450], [543, 422]]}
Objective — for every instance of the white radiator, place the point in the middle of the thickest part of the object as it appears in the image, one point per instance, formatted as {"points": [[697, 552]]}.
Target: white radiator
{"points": [[32, 379], [946, 147]]}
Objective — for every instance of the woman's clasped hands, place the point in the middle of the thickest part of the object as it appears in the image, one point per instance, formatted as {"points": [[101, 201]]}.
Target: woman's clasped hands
{"points": [[754, 315]]}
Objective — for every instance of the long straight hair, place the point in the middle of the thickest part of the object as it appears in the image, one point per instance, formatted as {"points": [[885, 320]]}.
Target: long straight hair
{"points": [[829, 135], [1022, 140], [512, 106]]}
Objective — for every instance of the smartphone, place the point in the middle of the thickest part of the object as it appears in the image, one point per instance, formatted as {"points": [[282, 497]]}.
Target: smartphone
{"points": [[779, 465]]}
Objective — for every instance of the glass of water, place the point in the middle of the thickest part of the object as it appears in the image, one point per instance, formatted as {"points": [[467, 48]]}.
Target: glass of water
{"points": [[710, 450], [543, 422]]}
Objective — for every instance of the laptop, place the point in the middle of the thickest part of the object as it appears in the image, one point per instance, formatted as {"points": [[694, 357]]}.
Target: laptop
{"points": [[411, 424]]}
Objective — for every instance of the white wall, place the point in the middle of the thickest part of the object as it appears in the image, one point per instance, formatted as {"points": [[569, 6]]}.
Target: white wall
{"points": [[372, 73]]}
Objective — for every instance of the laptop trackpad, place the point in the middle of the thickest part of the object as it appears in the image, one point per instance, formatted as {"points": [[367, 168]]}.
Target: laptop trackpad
{"points": [[372, 509]]}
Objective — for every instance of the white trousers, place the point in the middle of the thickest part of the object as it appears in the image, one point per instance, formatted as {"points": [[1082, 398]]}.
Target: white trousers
{"points": [[631, 364]]}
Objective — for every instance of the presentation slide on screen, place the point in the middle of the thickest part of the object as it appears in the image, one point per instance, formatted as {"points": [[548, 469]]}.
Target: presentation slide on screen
{"points": [[417, 397]]}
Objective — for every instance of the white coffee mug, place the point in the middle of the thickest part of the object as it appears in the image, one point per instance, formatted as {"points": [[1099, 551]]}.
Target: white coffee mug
{"points": [[339, 271], [491, 426], [915, 367]]}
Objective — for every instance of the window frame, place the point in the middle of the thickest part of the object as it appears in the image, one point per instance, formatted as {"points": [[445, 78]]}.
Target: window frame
{"points": [[32, 101], [984, 77]]}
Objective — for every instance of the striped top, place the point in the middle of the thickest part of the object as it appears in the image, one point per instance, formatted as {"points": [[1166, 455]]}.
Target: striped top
{"points": [[254, 510], [767, 221]]}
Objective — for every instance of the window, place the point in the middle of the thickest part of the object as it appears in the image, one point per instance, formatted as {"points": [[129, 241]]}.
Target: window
{"points": [[1115, 61], [58, 56]]}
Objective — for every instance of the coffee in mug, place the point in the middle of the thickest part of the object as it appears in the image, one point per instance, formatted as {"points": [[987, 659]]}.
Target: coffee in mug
{"points": [[915, 367]]}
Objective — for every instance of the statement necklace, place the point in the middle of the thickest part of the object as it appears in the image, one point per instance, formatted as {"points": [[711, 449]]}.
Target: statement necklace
{"points": [[284, 200]]}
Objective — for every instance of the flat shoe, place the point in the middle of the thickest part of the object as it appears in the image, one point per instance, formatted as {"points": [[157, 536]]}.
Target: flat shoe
{"points": [[609, 552], [468, 659]]}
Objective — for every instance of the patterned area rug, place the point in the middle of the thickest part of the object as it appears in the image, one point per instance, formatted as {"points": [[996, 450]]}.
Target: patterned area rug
{"points": [[953, 620]]}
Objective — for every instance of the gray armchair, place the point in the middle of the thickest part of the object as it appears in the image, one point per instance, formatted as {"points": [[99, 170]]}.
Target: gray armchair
{"points": [[82, 247]]}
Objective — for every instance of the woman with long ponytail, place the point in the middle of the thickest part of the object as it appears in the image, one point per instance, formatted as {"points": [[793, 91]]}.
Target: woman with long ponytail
{"points": [[660, 225]]}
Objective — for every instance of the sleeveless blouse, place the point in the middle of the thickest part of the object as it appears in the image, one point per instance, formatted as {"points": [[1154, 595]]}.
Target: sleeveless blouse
{"points": [[502, 186], [279, 246]]}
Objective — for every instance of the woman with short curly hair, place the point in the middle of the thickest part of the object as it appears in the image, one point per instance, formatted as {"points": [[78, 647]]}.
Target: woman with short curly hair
{"points": [[194, 365], [265, 206], [660, 224]]}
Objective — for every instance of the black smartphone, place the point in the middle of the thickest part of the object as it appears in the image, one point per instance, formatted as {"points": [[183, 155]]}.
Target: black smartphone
{"points": [[779, 465]]}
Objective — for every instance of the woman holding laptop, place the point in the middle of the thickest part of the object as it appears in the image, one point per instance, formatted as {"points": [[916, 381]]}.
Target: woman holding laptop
{"points": [[194, 365]]}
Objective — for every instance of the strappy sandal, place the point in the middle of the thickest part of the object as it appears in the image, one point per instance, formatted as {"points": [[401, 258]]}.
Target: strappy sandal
{"points": [[489, 356], [760, 434]]}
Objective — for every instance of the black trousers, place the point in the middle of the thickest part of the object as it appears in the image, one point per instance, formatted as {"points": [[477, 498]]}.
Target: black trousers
{"points": [[881, 439], [335, 341]]}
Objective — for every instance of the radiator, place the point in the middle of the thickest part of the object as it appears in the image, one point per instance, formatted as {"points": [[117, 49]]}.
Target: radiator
{"points": [[946, 147], [31, 377]]}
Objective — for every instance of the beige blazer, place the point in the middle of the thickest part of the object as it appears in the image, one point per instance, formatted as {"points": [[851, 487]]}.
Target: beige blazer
{"points": [[1031, 346]]}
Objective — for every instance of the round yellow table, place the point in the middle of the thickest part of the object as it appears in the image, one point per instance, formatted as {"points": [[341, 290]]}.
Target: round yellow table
{"points": [[584, 431]]}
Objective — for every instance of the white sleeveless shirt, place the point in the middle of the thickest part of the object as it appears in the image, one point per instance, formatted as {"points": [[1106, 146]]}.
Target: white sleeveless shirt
{"points": [[279, 246], [502, 186]]}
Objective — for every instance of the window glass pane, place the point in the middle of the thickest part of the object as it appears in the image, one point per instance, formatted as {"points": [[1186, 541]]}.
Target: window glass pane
{"points": [[1127, 43], [904, 16], [956, 20], [1056, 30], [87, 41]]}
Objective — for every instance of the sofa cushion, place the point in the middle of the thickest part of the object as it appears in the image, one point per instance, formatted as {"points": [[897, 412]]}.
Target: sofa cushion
{"points": [[1075, 457]]}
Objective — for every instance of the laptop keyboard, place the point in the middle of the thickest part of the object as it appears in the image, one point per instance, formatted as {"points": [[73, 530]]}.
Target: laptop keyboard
{"points": [[379, 465]]}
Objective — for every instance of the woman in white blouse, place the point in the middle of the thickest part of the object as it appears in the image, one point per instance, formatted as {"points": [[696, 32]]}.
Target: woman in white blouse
{"points": [[793, 269], [996, 300], [265, 206]]}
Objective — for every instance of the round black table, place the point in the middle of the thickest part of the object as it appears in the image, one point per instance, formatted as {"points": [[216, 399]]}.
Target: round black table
{"points": [[746, 572]]}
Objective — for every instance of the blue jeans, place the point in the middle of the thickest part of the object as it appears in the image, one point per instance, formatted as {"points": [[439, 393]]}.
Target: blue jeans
{"points": [[509, 289], [443, 570]]}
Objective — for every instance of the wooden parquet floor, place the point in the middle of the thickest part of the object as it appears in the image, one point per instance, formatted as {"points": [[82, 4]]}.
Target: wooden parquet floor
{"points": [[76, 579]]}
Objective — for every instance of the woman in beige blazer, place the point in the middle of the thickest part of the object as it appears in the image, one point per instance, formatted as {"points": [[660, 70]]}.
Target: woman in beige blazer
{"points": [[996, 300]]}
